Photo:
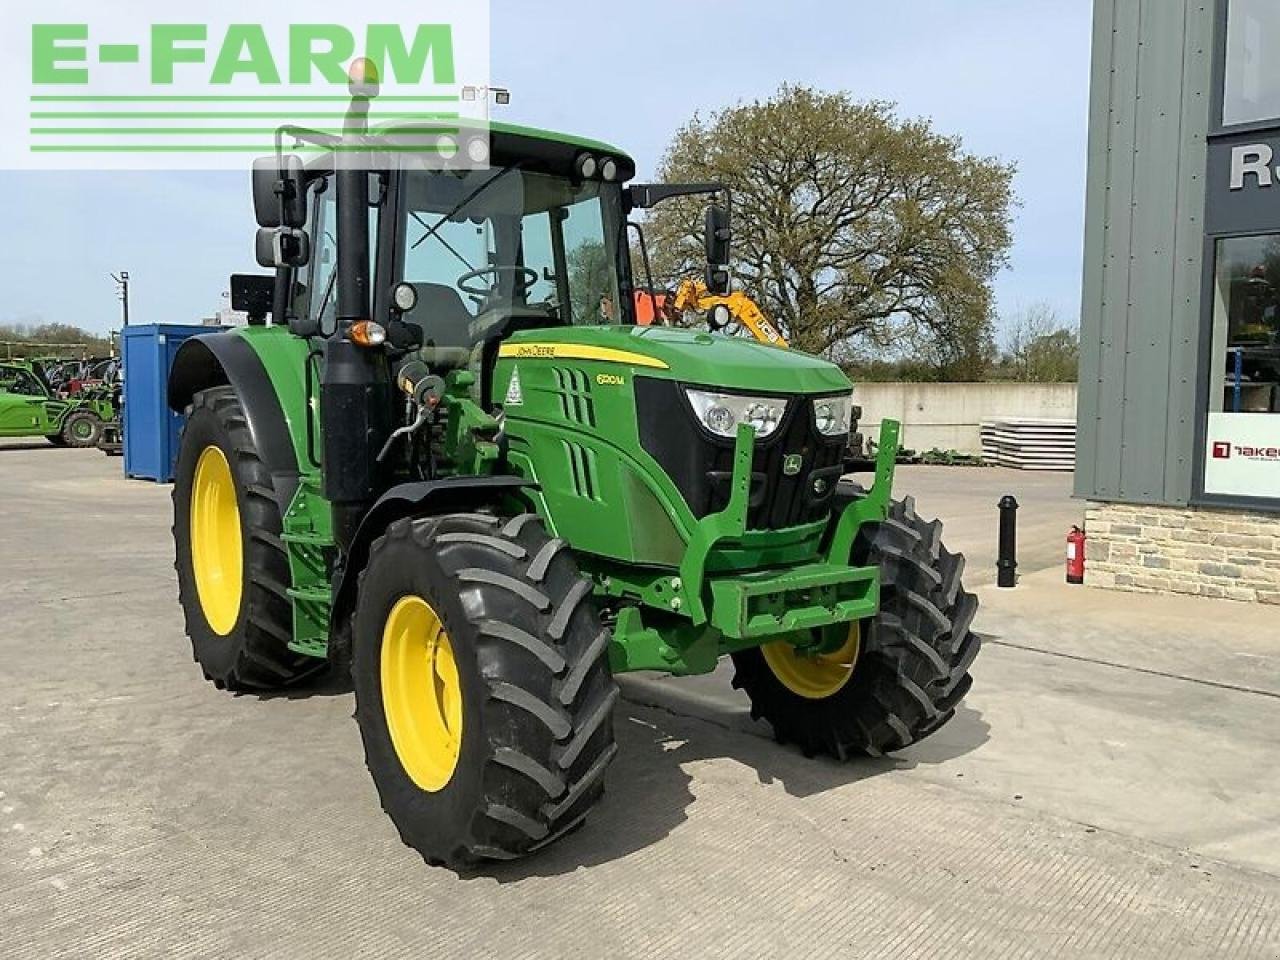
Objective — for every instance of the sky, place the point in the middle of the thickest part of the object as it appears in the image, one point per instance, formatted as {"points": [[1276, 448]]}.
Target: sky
{"points": [[1009, 77]]}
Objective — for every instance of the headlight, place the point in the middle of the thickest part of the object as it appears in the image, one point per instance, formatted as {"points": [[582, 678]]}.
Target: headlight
{"points": [[721, 413], [831, 415]]}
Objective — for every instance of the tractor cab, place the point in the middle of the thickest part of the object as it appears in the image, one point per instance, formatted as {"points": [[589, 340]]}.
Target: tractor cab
{"points": [[459, 258], [462, 256]]}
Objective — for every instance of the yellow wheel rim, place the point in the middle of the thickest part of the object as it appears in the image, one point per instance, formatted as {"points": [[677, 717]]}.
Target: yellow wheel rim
{"points": [[814, 676], [216, 554], [421, 693]]}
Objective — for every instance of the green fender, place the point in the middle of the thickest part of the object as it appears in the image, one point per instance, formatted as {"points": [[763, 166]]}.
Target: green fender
{"points": [[267, 368]]}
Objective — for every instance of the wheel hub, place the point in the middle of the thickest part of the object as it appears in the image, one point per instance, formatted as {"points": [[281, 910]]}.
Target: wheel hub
{"points": [[814, 676], [421, 693], [217, 557]]}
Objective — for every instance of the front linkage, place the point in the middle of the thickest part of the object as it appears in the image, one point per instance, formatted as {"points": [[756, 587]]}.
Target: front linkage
{"points": [[705, 616]]}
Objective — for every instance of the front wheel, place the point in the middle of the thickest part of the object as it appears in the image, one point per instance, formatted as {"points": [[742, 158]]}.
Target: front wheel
{"points": [[482, 682], [81, 429], [233, 573], [891, 680]]}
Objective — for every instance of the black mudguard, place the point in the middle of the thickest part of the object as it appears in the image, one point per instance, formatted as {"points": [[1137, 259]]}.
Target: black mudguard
{"points": [[217, 359], [448, 495]]}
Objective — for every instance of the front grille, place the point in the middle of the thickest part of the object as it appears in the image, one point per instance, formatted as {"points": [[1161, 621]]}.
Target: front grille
{"points": [[701, 464]]}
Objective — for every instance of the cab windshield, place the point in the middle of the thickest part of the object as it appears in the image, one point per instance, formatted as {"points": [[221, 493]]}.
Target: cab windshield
{"points": [[482, 247]]}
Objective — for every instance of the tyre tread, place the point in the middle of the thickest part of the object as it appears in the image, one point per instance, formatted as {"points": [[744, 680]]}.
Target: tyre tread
{"points": [[546, 695], [913, 669], [261, 658]]}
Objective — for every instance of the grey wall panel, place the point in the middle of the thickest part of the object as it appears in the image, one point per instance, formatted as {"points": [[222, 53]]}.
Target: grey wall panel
{"points": [[1088, 410], [1140, 311], [1118, 212], [1185, 339], [1144, 384]]}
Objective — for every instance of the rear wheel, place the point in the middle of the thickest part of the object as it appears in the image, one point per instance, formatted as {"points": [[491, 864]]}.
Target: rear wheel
{"points": [[483, 690], [233, 573], [892, 680], [81, 429]]}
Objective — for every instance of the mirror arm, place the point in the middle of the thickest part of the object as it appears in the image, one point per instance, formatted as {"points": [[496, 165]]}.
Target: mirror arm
{"points": [[280, 295], [642, 196]]}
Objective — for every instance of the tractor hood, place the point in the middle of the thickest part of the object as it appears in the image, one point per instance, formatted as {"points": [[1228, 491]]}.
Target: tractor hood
{"points": [[689, 356]]}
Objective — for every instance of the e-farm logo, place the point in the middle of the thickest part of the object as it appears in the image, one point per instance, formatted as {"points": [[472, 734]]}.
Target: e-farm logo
{"points": [[316, 52], [122, 84]]}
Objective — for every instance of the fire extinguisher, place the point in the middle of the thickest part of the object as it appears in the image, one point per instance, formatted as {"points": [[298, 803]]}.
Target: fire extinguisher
{"points": [[1075, 556]]}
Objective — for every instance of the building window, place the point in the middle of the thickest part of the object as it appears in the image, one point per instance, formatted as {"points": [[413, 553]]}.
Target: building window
{"points": [[1253, 69], [1243, 438]]}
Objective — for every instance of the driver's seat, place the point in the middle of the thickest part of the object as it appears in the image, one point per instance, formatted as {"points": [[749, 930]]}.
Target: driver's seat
{"points": [[441, 315]]}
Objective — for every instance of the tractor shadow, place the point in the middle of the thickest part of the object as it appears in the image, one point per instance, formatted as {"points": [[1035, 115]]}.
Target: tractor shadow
{"points": [[35, 445], [326, 683], [663, 735]]}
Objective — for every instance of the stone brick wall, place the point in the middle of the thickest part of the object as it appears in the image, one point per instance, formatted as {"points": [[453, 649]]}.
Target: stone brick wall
{"points": [[1196, 551]]}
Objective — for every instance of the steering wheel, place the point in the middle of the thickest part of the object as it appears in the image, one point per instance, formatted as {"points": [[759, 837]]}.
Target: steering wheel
{"points": [[529, 276]]}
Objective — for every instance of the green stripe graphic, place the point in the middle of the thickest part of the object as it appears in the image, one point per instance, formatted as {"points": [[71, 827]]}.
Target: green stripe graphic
{"points": [[232, 115], [223, 131], [243, 98], [226, 148]]}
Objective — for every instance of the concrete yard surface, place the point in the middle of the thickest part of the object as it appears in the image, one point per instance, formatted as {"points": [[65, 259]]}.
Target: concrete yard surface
{"points": [[1107, 789]]}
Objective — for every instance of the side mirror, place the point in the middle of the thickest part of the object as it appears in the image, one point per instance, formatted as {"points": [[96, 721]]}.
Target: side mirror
{"points": [[280, 191], [718, 234], [282, 247]]}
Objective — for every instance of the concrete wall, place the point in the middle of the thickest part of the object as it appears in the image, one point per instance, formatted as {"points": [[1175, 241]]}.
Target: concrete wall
{"points": [[1144, 239], [947, 415]]}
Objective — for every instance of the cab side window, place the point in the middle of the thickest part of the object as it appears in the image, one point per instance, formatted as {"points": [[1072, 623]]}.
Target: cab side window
{"points": [[20, 382], [323, 281], [324, 259]]}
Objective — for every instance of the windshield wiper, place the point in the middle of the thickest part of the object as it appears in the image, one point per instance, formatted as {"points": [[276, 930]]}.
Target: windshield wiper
{"points": [[465, 200], [447, 245]]}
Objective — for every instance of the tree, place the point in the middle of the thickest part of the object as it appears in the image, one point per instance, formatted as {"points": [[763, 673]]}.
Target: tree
{"points": [[1040, 348], [852, 229], [590, 277], [58, 338]]}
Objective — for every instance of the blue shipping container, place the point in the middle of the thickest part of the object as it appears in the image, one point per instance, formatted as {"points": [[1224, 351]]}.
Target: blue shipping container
{"points": [[150, 428]]}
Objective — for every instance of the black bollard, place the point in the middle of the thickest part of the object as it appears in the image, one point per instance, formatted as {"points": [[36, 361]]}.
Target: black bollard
{"points": [[1007, 564]]}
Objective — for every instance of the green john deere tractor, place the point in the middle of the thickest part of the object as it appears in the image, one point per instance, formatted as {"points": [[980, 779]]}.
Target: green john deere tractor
{"points": [[29, 408], [454, 466]]}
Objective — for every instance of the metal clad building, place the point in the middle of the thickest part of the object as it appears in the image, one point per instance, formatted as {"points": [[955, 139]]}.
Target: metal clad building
{"points": [[1179, 410], [1144, 233]]}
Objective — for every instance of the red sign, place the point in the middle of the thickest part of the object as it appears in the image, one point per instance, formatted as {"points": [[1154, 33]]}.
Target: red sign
{"points": [[1242, 454], [1225, 451]]}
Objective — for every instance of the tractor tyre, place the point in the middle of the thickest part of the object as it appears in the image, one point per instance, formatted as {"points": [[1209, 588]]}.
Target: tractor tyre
{"points": [[483, 690], [897, 677], [81, 429], [233, 572]]}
